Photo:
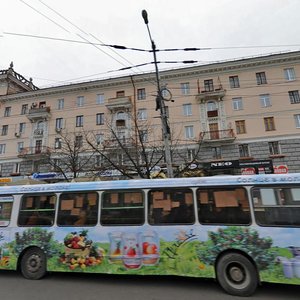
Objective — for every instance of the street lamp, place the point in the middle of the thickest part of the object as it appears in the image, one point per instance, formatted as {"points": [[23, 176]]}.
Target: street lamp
{"points": [[160, 104]]}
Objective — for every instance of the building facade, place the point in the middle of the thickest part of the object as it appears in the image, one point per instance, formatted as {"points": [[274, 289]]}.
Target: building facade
{"points": [[228, 117]]}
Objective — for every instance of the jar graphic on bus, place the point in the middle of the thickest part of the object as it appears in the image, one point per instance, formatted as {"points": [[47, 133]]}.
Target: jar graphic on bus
{"points": [[131, 250], [115, 249], [150, 246]]}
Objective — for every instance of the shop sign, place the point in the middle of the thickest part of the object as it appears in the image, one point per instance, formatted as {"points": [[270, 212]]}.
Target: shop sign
{"points": [[281, 169], [248, 171], [5, 180]]}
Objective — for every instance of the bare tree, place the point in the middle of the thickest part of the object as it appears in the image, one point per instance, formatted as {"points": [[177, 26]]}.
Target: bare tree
{"points": [[70, 154], [135, 153]]}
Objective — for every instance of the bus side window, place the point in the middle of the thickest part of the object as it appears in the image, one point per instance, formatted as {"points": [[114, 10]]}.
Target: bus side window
{"points": [[6, 203], [276, 206], [122, 208], [227, 206], [78, 209], [37, 210], [171, 206]]}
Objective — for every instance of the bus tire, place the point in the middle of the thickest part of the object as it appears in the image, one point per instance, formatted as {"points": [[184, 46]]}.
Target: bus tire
{"points": [[33, 264], [236, 274]]}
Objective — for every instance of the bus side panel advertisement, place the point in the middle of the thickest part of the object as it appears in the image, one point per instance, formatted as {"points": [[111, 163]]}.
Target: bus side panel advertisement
{"points": [[169, 250]]}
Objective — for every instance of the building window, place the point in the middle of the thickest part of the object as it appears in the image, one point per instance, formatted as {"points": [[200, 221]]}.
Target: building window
{"points": [[187, 109], [185, 88], [240, 126], [261, 78], [120, 94], [237, 103], [121, 119], [57, 143], [297, 120], [22, 127], [265, 100], [24, 109], [4, 130], [20, 146], [100, 119], [143, 135], [142, 114], [208, 85], [190, 154], [269, 123], [7, 111], [79, 121], [294, 97], [274, 148], [100, 99], [141, 94], [98, 160], [289, 74], [234, 82], [80, 101], [60, 104], [216, 152], [244, 150], [99, 138], [59, 123], [78, 141], [189, 132], [2, 148]]}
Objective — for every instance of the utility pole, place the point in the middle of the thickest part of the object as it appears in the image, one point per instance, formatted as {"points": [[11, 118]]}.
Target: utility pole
{"points": [[160, 104]]}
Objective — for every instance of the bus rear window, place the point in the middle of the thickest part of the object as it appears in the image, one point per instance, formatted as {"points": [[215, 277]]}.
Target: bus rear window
{"points": [[228, 206], [78, 209], [6, 203], [277, 206], [122, 208], [171, 206], [37, 210]]}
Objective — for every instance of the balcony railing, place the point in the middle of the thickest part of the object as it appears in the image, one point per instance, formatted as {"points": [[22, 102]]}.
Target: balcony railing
{"points": [[212, 94], [38, 132], [37, 113], [226, 135], [33, 151], [119, 103]]}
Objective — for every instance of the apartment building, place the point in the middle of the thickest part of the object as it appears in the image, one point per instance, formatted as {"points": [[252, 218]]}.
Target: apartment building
{"points": [[232, 117]]}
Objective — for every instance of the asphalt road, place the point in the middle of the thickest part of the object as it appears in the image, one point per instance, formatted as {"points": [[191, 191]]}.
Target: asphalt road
{"points": [[60, 286]]}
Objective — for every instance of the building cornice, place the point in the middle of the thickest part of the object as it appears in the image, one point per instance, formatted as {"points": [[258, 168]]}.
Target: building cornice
{"points": [[203, 70]]}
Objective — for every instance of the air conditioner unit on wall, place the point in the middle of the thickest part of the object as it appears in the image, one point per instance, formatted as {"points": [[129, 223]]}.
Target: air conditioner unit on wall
{"points": [[58, 129], [17, 134]]}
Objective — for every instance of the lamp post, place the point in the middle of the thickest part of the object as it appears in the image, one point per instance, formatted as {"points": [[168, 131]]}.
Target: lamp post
{"points": [[160, 104]]}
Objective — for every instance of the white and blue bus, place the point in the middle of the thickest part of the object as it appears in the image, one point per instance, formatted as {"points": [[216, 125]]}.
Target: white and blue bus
{"points": [[242, 230]]}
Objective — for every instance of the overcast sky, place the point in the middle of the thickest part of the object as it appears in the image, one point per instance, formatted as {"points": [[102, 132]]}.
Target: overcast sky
{"points": [[252, 24]]}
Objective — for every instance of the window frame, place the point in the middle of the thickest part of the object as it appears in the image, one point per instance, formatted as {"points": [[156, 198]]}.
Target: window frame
{"points": [[237, 103], [169, 198], [234, 81], [119, 198], [269, 123], [79, 121], [261, 78], [36, 216]]}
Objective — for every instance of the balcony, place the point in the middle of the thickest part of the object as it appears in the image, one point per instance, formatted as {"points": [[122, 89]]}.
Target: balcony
{"points": [[38, 113], [38, 132], [212, 113], [223, 136], [119, 103], [34, 152], [211, 94]]}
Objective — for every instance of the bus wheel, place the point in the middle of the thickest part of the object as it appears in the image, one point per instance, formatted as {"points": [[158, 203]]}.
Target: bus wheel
{"points": [[236, 274], [33, 264]]}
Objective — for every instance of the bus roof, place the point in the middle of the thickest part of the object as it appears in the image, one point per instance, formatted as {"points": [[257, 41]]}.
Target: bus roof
{"points": [[264, 179]]}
